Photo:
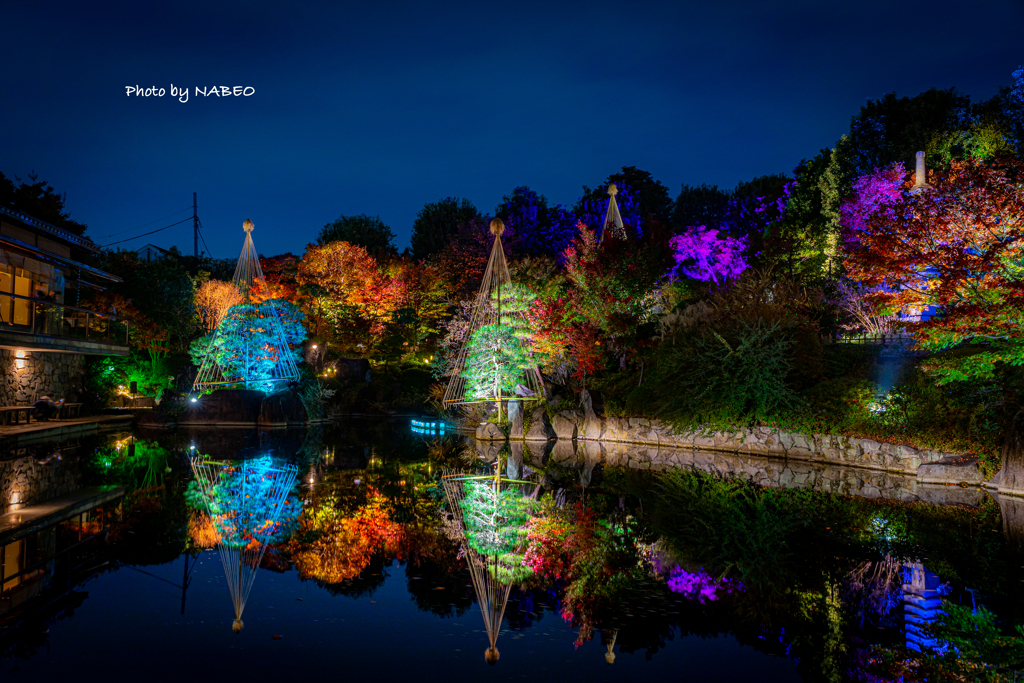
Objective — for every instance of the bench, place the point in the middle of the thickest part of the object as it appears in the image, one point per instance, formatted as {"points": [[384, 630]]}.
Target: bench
{"points": [[70, 410], [7, 413]]}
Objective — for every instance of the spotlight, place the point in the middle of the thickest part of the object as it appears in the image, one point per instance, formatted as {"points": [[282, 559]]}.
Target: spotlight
{"points": [[193, 400]]}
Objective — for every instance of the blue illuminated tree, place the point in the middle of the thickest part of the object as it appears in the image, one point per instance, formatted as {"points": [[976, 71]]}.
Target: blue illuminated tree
{"points": [[251, 347]]}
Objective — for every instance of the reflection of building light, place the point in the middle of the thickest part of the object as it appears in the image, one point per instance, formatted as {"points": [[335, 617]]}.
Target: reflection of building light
{"points": [[314, 346], [193, 400]]}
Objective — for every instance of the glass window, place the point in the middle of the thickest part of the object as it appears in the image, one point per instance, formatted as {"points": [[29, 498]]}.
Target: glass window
{"points": [[14, 559]]}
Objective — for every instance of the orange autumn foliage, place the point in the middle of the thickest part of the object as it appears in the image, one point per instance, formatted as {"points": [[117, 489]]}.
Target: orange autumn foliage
{"points": [[344, 545]]}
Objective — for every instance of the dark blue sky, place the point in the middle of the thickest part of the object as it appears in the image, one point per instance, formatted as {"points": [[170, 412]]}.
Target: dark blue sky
{"points": [[381, 107]]}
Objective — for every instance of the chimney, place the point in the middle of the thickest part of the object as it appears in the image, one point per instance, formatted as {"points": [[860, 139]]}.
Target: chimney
{"points": [[920, 176]]}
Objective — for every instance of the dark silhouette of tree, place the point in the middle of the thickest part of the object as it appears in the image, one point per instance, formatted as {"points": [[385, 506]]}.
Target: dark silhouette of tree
{"points": [[39, 200], [651, 195], [437, 222], [698, 205], [369, 232], [895, 128]]}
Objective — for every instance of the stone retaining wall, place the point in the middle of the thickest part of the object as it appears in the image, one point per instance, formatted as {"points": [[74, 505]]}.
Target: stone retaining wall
{"points": [[39, 373], [580, 458], [27, 481], [928, 465]]}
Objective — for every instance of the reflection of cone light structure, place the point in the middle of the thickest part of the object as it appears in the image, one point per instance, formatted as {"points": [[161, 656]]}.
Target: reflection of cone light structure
{"points": [[244, 500], [609, 655], [234, 358], [492, 574], [495, 292]]}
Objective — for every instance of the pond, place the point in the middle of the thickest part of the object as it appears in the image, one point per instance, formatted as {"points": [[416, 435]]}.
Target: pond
{"points": [[380, 549]]}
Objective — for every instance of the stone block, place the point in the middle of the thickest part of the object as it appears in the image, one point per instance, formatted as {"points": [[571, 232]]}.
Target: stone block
{"points": [[540, 426], [564, 425], [225, 406], [489, 432], [515, 420], [953, 469]]}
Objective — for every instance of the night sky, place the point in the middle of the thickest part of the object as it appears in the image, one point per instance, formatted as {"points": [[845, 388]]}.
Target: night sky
{"points": [[381, 107]]}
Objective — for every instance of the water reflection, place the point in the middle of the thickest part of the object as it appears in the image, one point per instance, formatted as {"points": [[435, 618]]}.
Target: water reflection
{"points": [[609, 543], [491, 513], [248, 505]]}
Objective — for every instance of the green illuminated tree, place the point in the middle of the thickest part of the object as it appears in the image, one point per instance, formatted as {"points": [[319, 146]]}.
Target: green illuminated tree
{"points": [[495, 362]]}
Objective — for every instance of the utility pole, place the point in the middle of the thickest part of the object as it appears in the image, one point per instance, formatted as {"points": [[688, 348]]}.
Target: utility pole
{"points": [[195, 227]]}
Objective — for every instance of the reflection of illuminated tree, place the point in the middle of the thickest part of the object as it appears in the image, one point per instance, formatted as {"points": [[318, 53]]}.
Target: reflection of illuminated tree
{"points": [[596, 560], [245, 501], [333, 546], [492, 513]]}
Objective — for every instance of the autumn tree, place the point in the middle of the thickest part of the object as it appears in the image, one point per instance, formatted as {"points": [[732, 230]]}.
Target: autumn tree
{"points": [[332, 278], [616, 282], [213, 299], [957, 247]]}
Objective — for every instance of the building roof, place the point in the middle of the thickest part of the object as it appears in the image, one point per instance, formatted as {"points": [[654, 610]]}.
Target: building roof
{"points": [[77, 240], [165, 252]]}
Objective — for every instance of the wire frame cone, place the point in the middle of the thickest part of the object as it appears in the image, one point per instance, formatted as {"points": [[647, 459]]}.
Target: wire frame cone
{"points": [[250, 363], [244, 501], [492, 582], [612, 218], [487, 312]]}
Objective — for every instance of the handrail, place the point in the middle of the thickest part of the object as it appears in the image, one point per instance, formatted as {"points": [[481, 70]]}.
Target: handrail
{"points": [[37, 300], [40, 305]]}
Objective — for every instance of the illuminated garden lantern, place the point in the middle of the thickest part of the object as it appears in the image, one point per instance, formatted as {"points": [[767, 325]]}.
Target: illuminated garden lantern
{"points": [[249, 347], [245, 501], [494, 363]]}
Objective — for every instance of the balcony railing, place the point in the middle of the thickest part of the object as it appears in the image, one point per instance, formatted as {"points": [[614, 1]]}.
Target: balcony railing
{"points": [[31, 315]]}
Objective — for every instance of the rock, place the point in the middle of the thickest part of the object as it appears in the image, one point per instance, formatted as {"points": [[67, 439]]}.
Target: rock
{"points": [[592, 426], [282, 409], [540, 426], [953, 469], [352, 370], [225, 407], [564, 425], [489, 432], [515, 420]]}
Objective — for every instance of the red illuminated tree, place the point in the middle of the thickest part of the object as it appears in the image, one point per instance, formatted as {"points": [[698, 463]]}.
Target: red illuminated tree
{"points": [[959, 247]]}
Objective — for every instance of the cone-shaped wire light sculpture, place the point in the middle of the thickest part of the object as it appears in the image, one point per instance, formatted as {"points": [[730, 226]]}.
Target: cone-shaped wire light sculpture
{"points": [[612, 218], [494, 362], [245, 501], [491, 512], [249, 347]]}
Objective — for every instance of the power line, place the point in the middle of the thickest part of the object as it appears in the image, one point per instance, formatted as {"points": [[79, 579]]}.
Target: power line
{"points": [[204, 240], [129, 239], [115, 234]]}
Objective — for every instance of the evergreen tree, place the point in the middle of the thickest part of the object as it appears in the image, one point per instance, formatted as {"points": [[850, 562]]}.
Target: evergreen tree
{"points": [[494, 363]]}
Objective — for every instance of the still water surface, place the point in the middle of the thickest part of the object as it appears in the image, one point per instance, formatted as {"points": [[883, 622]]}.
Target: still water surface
{"points": [[369, 578]]}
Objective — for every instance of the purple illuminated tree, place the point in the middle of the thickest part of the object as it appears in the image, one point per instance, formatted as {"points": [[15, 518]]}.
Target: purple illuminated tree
{"points": [[702, 255], [879, 191]]}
